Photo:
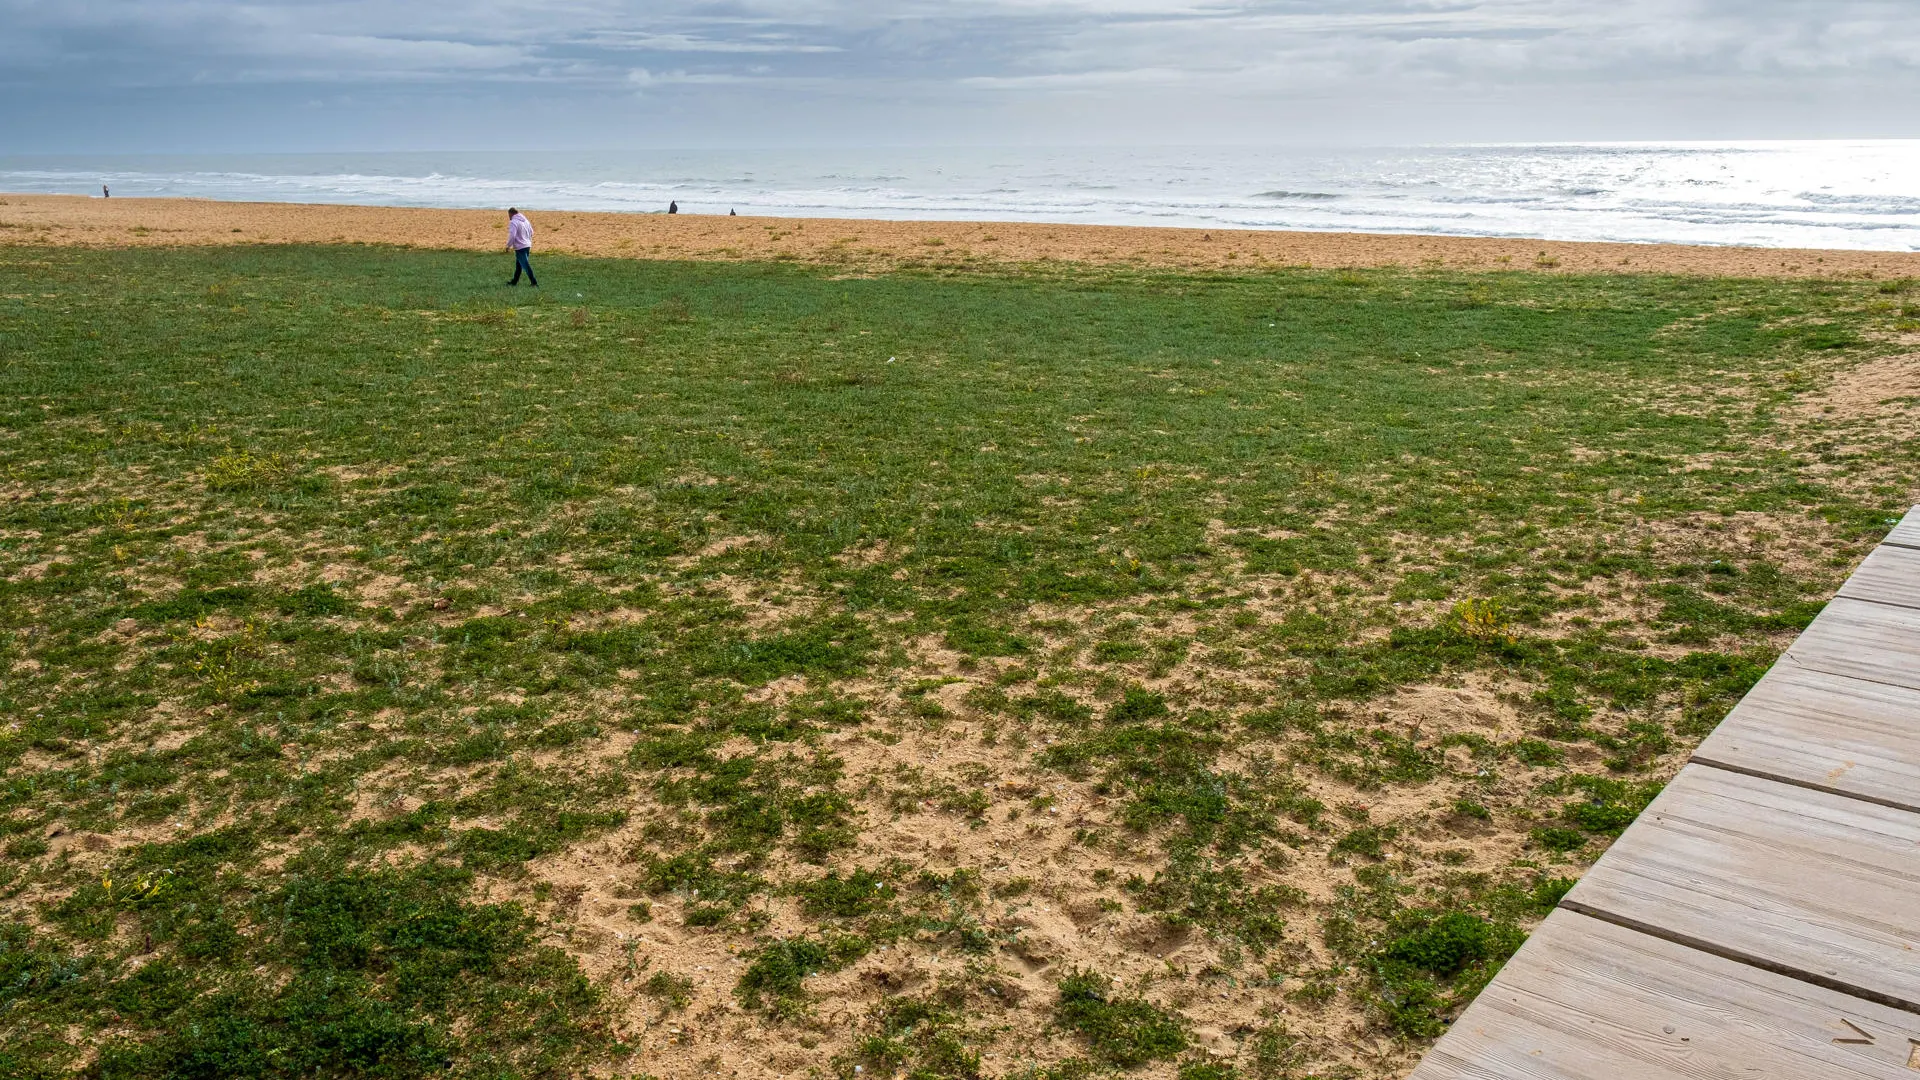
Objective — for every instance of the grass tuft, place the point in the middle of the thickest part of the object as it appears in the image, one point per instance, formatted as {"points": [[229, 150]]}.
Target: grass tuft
{"points": [[1118, 1030]]}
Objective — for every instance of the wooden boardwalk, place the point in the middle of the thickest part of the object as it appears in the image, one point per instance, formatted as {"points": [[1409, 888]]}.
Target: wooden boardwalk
{"points": [[1762, 918]]}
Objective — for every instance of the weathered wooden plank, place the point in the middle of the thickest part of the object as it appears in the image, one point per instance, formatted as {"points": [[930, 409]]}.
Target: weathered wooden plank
{"points": [[1825, 731], [1890, 575], [1875, 642], [1800, 881], [1585, 1000], [1907, 533]]}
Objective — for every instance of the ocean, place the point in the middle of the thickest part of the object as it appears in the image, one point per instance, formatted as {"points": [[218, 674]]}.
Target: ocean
{"points": [[1863, 195]]}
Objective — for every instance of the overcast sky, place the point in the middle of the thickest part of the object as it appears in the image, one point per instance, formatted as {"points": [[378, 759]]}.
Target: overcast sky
{"points": [[288, 75]]}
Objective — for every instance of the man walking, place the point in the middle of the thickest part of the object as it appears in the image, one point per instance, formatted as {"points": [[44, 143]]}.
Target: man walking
{"points": [[520, 242]]}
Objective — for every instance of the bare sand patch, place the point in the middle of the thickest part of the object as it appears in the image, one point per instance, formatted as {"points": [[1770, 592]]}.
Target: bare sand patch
{"points": [[1883, 387], [64, 220]]}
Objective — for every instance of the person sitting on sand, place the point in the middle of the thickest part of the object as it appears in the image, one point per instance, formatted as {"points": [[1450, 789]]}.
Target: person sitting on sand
{"points": [[520, 242], [673, 208]]}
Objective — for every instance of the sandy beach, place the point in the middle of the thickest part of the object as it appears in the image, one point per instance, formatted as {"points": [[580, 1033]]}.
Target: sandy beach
{"points": [[27, 220]]}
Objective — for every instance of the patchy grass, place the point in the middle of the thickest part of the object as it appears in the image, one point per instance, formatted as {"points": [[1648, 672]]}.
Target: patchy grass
{"points": [[398, 971], [397, 667]]}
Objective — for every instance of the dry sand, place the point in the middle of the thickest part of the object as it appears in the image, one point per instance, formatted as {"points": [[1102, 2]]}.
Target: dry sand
{"points": [[91, 222]]}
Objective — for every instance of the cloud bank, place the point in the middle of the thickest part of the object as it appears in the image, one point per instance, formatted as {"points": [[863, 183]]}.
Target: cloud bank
{"points": [[294, 74]]}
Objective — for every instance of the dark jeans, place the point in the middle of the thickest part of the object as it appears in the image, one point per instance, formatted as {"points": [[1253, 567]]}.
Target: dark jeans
{"points": [[520, 263]]}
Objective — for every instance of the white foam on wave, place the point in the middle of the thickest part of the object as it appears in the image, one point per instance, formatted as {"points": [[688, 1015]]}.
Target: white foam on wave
{"points": [[1813, 194]]}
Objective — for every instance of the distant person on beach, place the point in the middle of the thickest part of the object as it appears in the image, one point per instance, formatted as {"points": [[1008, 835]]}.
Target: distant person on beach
{"points": [[104, 193], [673, 208], [733, 213], [520, 242]]}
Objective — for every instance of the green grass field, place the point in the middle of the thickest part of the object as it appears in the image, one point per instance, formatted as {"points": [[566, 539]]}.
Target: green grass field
{"points": [[731, 668]]}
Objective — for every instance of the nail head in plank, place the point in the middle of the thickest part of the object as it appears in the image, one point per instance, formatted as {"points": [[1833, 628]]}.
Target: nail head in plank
{"points": [[1825, 731], [1875, 642], [1586, 1000], [1907, 533], [1890, 575], [1781, 877]]}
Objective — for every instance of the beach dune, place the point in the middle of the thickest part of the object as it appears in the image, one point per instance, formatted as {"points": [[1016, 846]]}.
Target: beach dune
{"points": [[63, 220]]}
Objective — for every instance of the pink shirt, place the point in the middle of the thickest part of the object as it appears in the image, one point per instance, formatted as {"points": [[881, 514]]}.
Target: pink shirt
{"points": [[519, 232]]}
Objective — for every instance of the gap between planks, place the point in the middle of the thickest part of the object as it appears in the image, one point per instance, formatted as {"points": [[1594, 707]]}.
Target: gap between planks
{"points": [[1740, 956], [1831, 733], [1734, 953], [1890, 574], [1808, 883], [1809, 785], [1907, 533], [1862, 640]]}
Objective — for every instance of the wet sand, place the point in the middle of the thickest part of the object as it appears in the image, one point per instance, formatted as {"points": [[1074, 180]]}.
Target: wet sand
{"points": [[64, 220]]}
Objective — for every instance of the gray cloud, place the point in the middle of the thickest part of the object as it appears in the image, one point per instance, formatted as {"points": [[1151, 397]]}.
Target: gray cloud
{"points": [[834, 69]]}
